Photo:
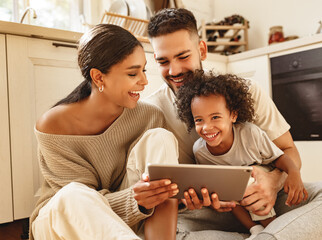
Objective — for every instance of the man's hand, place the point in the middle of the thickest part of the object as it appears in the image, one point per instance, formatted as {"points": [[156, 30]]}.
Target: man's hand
{"points": [[151, 194], [192, 201], [260, 196]]}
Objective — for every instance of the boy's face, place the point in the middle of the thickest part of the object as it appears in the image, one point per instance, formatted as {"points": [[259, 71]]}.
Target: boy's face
{"points": [[177, 54], [213, 122]]}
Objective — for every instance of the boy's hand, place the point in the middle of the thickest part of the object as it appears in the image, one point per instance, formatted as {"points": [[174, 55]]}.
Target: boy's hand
{"points": [[295, 189], [192, 201], [150, 194]]}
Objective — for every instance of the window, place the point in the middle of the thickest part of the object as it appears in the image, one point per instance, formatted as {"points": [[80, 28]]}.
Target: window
{"points": [[9, 10], [61, 14]]}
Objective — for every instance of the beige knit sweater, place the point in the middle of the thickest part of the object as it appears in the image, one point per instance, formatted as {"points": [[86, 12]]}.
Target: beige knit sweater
{"points": [[98, 161]]}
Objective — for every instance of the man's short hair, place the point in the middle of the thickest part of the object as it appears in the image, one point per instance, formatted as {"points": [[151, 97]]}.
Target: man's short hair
{"points": [[169, 20]]}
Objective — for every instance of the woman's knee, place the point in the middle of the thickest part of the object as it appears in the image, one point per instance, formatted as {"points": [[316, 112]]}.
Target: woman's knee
{"points": [[156, 145], [162, 138], [161, 133]]}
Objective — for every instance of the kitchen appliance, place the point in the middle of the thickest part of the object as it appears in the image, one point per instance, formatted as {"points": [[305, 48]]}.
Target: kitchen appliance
{"points": [[297, 92]]}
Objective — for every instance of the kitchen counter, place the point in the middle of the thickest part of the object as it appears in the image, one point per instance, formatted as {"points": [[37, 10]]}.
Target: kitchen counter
{"points": [[277, 47], [72, 37], [28, 30], [39, 32]]}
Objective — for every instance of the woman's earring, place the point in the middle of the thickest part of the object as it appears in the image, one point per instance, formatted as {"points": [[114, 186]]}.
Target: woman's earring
{"points": [[101, 88]]}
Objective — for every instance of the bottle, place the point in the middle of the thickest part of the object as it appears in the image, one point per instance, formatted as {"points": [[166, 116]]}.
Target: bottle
{"points": [[276, 34]]}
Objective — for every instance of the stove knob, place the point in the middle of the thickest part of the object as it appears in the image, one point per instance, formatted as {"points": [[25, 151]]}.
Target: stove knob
{"points": [[295, 64]]}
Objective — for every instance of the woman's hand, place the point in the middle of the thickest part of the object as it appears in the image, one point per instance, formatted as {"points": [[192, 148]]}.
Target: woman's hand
{"points": [[192, 201], [294, 188], [260, 196], [151, 194]]}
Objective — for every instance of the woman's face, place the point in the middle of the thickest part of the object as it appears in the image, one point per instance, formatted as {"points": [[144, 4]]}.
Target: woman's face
{"points": [[125, 80]]}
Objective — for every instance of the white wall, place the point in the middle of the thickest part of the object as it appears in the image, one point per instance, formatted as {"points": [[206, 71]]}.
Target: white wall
{"points": [[297, 17], [311, 155], [203, 10]]}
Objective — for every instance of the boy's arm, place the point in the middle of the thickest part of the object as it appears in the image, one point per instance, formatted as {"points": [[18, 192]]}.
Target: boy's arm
{"points": [[293, 185]]}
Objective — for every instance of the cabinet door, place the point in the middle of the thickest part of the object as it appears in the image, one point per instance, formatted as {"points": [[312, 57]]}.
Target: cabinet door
{"points": [[6, 211], [216, 63], [39, 75], [257, 69]]}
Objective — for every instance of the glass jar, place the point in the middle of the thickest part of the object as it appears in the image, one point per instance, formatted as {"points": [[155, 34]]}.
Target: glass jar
{"points": [[276, 34]]}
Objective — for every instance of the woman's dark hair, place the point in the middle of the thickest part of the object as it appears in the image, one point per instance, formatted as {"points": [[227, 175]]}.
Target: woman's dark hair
{"points": [[170, 20], [233, 88], [101, 47]]}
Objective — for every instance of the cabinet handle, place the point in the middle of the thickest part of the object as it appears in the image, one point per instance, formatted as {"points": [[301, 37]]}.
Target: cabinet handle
{"points": [[64, 45]]}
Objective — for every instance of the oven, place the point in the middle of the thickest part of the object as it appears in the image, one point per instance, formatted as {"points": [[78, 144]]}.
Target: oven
{"points": [[297, 92]]}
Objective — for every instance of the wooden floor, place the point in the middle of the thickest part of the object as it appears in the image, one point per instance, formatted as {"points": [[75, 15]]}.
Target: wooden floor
{"points": [[12, 231]]}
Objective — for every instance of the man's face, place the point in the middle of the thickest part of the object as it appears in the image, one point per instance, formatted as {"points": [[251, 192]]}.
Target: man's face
{"points": [[177, 54]]}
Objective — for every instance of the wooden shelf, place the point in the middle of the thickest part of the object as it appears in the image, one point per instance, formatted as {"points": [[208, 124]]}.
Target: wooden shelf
{"points": [[138, 27], [232, 31]]}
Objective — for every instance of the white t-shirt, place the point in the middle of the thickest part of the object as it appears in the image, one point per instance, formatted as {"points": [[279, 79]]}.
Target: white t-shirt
{"points": [[251, 145], [269, 119]]}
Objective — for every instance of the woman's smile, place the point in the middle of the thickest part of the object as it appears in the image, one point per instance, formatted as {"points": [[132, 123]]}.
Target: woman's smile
{"points": [[135, 94]]}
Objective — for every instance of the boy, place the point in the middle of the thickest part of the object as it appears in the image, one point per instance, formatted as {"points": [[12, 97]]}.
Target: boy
{"points": [[221, 109]]}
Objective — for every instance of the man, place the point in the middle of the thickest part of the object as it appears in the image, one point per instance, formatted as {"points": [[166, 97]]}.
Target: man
{"points": [[178, 51]]}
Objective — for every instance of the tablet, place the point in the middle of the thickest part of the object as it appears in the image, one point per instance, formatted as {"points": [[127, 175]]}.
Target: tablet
{"points": [[229, 182]]}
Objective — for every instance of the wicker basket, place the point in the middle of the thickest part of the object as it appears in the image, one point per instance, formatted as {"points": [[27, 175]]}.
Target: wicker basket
{"points": [[138, 27]]}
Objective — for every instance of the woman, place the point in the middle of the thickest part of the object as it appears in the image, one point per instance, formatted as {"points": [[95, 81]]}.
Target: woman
{"points": [[94, 145]]}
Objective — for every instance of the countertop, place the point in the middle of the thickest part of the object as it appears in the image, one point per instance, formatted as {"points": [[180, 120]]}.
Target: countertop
{"points": [[28, 30], [277, 47], [72, 37], [39, 32]]}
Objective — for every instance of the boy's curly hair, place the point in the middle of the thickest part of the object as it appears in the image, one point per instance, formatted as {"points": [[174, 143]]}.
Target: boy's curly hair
{"points": [[233, 88]]}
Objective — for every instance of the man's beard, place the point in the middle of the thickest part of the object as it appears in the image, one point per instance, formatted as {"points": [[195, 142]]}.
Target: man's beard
{"points": [[185, 75]]}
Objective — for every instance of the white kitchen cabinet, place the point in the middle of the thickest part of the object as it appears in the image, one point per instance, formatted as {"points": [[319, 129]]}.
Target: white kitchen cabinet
{"points": [[6, 211], [255, 68], [216, 63], [39, 74]]}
